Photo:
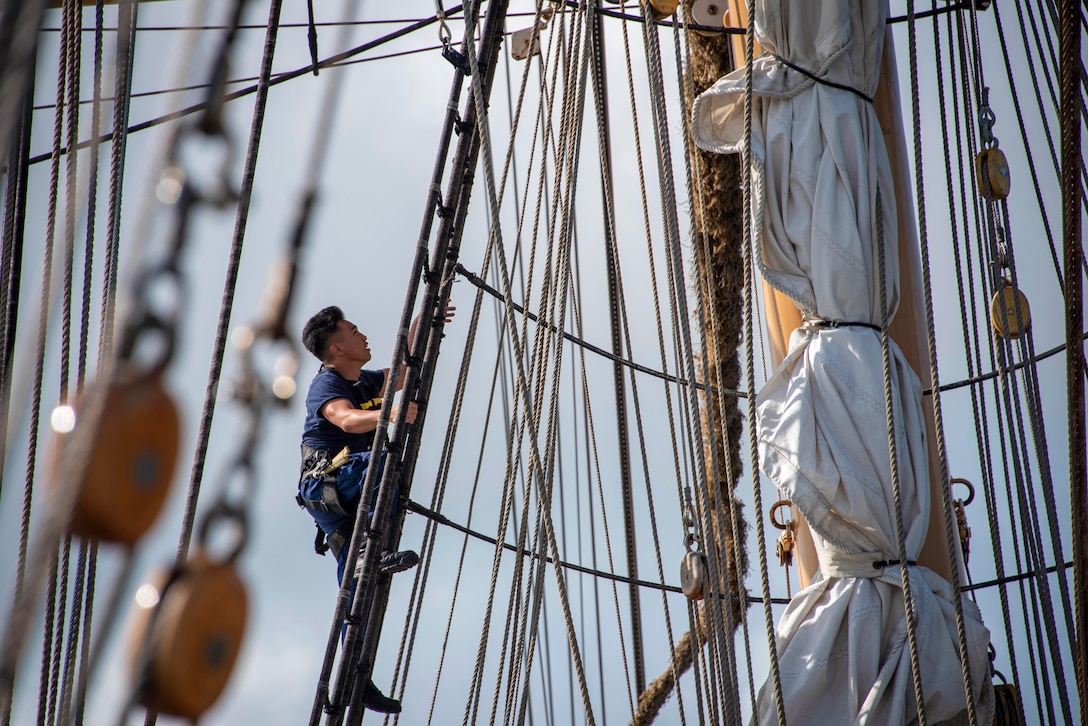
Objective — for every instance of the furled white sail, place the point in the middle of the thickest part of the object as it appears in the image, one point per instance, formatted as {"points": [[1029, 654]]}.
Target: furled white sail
{"points": [[822, 204]]}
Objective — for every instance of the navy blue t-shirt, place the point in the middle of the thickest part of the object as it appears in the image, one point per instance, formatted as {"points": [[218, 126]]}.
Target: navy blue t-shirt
{"points": [[329, 385]]}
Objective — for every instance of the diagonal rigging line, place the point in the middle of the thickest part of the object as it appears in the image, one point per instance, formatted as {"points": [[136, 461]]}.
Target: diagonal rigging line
{"points": [[247, 79], [290, 75], [479, 283], [442, 519]]}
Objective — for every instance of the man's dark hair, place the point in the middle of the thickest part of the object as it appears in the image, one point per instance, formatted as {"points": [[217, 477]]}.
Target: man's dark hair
{"points": [[320, 329]]}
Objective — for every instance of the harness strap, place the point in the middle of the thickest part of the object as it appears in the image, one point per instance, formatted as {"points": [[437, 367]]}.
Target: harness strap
{"points": [[317, 465], [329, 502], [335, 542]]}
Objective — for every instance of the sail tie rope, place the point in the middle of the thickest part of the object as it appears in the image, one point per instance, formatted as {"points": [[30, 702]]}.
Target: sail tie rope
{"points": [[820, 79], [819, 325], [855, 564]]}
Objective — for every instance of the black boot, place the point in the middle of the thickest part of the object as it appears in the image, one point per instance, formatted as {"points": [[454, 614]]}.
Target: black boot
{"points": [[394, 562], [375, 700], [391, 562]]}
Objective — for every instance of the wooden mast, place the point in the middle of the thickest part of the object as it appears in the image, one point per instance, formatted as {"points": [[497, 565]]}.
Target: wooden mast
{"points": [[907, 328]]}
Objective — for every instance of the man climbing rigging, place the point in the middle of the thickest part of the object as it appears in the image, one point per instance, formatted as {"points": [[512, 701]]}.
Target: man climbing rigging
{"points": [[343, 406]]}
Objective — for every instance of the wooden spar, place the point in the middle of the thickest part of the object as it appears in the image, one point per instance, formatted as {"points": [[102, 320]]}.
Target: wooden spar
{"points": [[907, 328]]}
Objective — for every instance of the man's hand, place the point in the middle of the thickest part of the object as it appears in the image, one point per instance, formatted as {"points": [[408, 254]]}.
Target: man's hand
{"points": [[450, 309], [409, 413]]}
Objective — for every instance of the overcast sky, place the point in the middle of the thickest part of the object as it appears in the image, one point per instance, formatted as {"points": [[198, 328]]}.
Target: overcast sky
{"points": [[359, 255]]}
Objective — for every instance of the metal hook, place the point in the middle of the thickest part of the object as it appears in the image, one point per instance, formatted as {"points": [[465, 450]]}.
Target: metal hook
{"points": [[970, 490], [774, 514]]}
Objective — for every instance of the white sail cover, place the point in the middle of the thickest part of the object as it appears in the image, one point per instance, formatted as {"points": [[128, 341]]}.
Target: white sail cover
{"points": [[822, 202]]}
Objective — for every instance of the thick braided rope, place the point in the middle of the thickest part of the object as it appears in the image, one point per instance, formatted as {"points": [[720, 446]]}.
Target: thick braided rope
{"points": [[642, 439], [651, 264], [71, 65], [951, 534], [74, 635], [1036, 86], [512, 468], [88, 609], [686, 655], [92, 196], [909, 612], [982, 422], [1070, 45], [71, 21], [518, 605], [752, 190], [563, 276], [542, 342]]}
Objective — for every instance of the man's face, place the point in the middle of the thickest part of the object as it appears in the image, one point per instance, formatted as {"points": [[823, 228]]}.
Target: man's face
{"points": [[351, 343]]}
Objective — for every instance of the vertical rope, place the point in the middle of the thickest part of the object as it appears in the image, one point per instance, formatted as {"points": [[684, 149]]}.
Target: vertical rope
{"points": [[127, 12], [889, 400], [1070, 77], [965, 322], [245, 195], [750, 190], [951, 538], [11, 253], [14, 629]]}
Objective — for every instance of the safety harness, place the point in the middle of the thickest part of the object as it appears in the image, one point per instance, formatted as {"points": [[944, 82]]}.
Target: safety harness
{"points": [[316, 464]]}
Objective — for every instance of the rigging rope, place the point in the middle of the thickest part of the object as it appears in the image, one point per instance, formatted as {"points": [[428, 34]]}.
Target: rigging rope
{"points": [[983, 448], [999, 229], [710, 292], [1072, 190], [752, 190], [938, 420], [20, 617], [330, 61], [245, 195]]}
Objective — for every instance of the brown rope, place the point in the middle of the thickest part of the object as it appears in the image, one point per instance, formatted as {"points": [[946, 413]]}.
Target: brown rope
{"points": [[653, 698], [1069, 79]]}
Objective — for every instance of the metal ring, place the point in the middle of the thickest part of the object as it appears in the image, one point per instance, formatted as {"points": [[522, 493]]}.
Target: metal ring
{"points": [[970, 490], [774, 510]]}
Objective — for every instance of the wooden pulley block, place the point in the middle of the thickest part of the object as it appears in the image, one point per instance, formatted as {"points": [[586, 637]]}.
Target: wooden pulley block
{"points": [[693, 575], [1004, 308], [964, 529], [131, 464], [1007, 709], [992, 174], [663, 8], [187, 634], [784, 548], [710, 13]]}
